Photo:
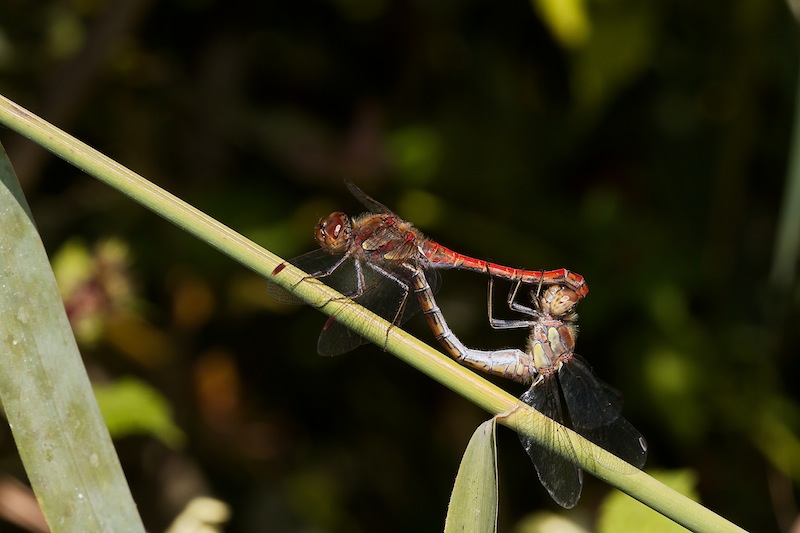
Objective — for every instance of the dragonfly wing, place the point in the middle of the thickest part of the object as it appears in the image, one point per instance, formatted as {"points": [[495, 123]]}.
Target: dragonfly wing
{"points": [[562, 479], [317, 263], [594, 409], [369, 202], [588, 404], [381, 295], [621, 439], [337, 339]]}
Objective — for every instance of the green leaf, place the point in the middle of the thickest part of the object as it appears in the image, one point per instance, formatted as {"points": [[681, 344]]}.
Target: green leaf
{"points": [[473, 504], [48, 400], [130, 407]]}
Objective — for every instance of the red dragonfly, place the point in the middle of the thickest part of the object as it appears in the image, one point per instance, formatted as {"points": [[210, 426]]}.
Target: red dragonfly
{"points": [[563, 388], [372, 259]]}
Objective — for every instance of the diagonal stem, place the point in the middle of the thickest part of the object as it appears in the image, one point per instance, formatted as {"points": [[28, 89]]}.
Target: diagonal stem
{"points": [[411, 350]]}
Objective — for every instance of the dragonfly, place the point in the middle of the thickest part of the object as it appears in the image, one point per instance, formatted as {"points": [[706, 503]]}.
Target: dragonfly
{"points": [[563, 386], [376, 257]]}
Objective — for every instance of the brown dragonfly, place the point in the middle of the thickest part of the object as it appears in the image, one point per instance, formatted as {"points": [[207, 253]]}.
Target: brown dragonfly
{"points": [[372, 259]]}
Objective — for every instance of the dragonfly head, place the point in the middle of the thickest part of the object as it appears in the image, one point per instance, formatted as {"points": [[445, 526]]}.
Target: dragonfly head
{"points": [[333, 232], [558, 301]]}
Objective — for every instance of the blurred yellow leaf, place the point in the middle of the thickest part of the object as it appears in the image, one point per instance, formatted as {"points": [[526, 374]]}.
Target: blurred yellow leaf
{"points": [[550, 522], [567, 19], [620, 48]]}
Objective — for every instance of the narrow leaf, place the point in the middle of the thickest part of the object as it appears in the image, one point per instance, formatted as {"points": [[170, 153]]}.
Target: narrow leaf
{"points": [[473, 504], [45, 392]]}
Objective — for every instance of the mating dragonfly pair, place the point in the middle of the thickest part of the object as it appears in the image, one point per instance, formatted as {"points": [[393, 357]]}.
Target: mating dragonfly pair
{"points": [[385, 264]]}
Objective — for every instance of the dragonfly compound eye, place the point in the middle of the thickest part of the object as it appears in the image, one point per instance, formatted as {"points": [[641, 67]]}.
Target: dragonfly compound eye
{"points": [[333, 232]]}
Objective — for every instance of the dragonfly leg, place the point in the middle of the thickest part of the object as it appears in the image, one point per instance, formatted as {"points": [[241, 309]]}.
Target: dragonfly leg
{"points": [[361, 285], [327, 272], [518, 306], [505, 323], [403, 300]]}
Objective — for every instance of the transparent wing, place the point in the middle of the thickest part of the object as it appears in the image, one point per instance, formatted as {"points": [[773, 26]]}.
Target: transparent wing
{"points": [[315, 263], [587, 402], [621, 439], [387, 296], [594, 409], [560, 476], [369, 202], [380, 295]]}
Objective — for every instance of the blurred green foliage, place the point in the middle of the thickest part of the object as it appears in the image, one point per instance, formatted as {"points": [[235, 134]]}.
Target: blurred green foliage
{"points": [[132, 407], [642, 144], [621, 513]]}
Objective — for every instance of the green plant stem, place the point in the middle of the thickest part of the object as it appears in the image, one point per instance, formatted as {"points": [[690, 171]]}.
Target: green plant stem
{"points": [[444, 370]]}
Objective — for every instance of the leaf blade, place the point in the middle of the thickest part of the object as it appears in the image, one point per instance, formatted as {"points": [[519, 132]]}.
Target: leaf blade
{"points": [[473, 503]]}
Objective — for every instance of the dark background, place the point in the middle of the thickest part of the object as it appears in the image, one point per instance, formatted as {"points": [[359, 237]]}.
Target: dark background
{"points": [[650, 156]]}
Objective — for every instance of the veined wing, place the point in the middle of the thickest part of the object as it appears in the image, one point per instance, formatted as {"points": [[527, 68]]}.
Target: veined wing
{"points": [[389, 297], [594, 409], [560, 476], [370, 203], [314, 263]]}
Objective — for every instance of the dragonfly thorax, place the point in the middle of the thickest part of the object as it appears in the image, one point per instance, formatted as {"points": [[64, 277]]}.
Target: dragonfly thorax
{"points": [[551, 343]]}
